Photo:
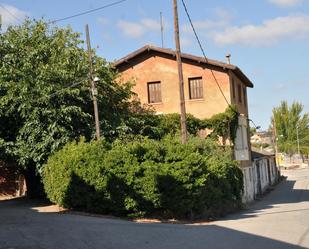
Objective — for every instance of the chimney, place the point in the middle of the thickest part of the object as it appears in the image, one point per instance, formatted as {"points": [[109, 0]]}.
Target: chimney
{"points": [[228, 58]]}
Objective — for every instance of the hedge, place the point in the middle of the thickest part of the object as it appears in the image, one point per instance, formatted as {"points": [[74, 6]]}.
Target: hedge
{"points": [[145, 177], [223, 125]]}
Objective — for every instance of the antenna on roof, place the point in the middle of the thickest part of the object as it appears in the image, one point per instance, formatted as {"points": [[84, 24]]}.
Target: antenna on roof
{"points": [[162, 30]]}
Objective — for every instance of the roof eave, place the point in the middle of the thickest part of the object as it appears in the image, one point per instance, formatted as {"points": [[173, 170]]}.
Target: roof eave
{"points": [[148, 48]]}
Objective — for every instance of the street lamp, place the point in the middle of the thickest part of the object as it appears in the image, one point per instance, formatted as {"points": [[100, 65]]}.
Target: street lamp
{"points": [[256, 127]]}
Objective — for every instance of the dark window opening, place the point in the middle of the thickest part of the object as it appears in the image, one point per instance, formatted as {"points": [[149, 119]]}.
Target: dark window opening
{"points": [[154, 92], [245, 96], [233, 89], [239, 93], [196, 88]]}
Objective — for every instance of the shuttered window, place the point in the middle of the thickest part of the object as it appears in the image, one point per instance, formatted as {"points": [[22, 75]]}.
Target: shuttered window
{"points": [[196, 88], [154, 92], [239, 93], [245, 96], [233, 89]]}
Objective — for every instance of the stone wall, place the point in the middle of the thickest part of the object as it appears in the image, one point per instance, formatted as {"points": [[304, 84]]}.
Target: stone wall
{"points": [[12, 183]]}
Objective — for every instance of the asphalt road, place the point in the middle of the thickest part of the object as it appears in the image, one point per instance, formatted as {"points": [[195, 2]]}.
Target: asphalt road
{"points": [[279, 221]]}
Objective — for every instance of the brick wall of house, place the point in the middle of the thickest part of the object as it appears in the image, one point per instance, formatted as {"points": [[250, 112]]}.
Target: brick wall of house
{"points": [[159, 68], [152, 66]]}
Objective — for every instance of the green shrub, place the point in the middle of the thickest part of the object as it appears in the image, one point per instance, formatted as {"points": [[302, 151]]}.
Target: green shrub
{"points": [[145, 176], [158, 126]]}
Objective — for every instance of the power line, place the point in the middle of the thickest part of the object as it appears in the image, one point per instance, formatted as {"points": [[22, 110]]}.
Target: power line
{"points": [[87, 12], [73, 85], [206, 59], [202, 49], [10, 13], [61, 90]]}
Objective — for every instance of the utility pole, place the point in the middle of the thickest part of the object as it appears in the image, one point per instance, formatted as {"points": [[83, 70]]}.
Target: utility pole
{"points": [[297, 134], [275, 139], [162, 30], [94, 90], [183, 123]]}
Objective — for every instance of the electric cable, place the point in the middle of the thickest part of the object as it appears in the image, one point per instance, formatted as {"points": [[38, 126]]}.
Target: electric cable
{"points": [[87, 12], [203, 51]]}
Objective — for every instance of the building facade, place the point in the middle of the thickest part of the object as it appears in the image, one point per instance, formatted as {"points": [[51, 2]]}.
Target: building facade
{"points": [[210, 87], [265, 171]]}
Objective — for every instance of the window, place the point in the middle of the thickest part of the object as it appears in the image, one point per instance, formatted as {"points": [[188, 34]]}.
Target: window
{"points": [[239, 93], [154, 92], [196, 88], [233, 89], [245, 96]]}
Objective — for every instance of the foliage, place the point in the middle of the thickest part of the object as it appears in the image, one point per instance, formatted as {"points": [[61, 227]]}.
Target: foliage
{"points": [[44, 92], [145, 176], [146, 123], [289, 120], [253, 130], [223, 124], [157, 126]]}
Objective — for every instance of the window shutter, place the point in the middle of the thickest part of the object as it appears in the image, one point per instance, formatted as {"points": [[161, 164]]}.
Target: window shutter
{"points": [[154, 92], [196, 88], [239, 93]]}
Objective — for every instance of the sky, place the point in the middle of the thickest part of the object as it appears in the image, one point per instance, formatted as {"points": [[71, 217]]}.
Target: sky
{"points": [[267, 39]]}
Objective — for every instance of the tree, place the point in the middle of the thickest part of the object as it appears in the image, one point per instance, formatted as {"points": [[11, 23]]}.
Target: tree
{"points": [[45, 100], [289, 120]]}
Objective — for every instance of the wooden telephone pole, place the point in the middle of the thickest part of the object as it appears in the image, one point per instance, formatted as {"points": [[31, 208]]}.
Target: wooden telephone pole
{"points": [[183, 121], [94, 90], [275, 139]]}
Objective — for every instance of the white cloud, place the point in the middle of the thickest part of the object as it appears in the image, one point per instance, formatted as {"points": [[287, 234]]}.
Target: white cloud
{"points": [[131, 29], [11, 15], [222, 19], [103, 21], [185, 41], [271, 31], [223, 13], [138, 29], [204, 25], [280, 87], [286, 3], [150, 24]]}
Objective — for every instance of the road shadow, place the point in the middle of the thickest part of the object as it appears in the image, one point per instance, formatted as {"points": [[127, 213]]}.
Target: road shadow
{"points": [[22, 226], [284, 193]]}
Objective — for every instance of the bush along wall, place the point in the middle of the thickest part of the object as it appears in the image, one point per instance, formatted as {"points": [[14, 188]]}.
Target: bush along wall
{"points": [[145, 177], [146, 123]]}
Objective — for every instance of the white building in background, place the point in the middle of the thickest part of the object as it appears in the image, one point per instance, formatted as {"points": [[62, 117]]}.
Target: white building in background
{"points": [[265, 171]]}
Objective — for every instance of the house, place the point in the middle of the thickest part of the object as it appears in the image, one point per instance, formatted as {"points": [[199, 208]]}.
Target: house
{"points": [[262, 137], [265, 170], [210, 87]]}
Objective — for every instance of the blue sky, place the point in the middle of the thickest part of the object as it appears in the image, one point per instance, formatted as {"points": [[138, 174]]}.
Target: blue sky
{"points": [[268, 39]]}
